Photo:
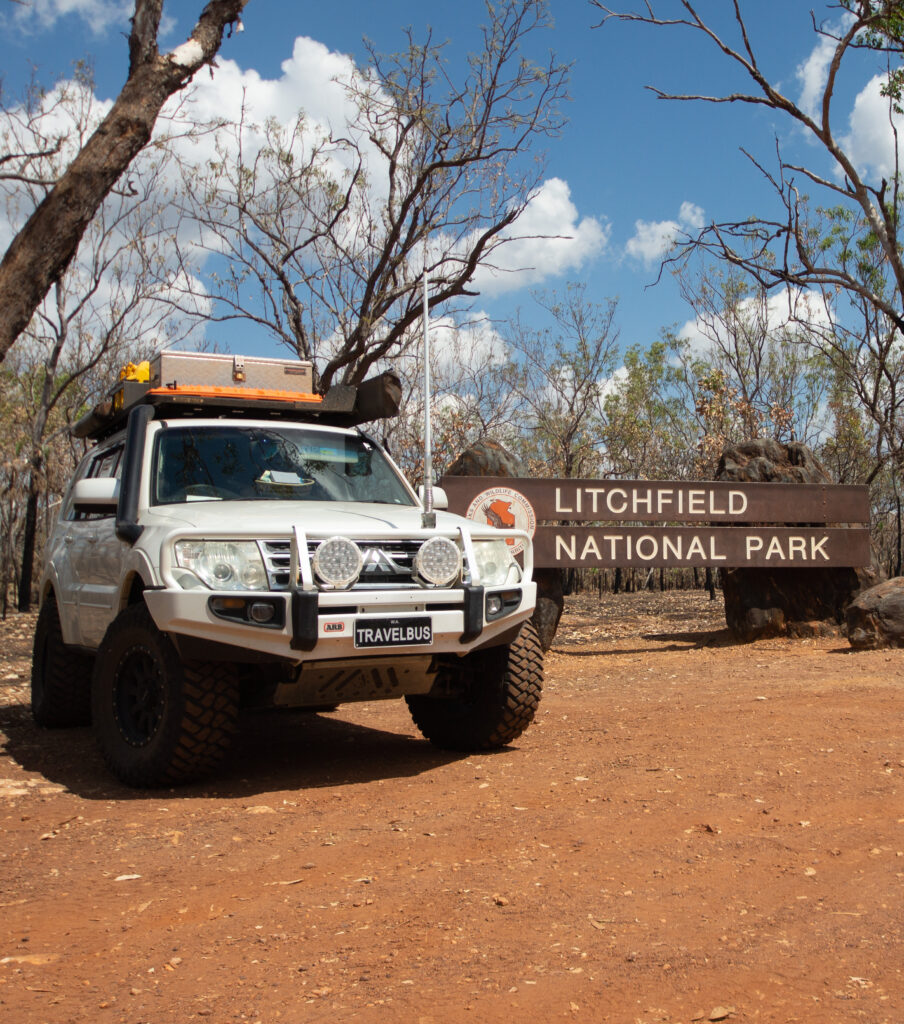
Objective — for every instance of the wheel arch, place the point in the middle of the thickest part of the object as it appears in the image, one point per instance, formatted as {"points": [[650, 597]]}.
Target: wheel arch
{"points": [[132, 591], [47, 588], [137, 577]]}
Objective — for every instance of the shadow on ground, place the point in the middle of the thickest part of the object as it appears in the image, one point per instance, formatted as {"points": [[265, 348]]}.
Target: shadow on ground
{"points": [[590, 648], [274, 751]]}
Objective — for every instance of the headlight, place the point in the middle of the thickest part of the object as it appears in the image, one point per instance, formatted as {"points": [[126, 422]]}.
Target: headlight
{"points": [[496, 565], [223, 564], [337, 563], [438, 562]]}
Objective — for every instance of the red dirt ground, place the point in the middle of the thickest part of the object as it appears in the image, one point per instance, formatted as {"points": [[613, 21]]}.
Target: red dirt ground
{"points": [[692, 830]]}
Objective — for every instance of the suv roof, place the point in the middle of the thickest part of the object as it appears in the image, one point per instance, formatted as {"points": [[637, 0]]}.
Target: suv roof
{"points": [[344, 405]]}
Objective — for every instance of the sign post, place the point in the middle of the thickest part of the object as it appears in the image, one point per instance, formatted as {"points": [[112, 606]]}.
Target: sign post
{"points": [[673, 523]]}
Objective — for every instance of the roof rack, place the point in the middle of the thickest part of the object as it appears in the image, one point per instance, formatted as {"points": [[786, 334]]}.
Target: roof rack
{"points": [[201, 390]]}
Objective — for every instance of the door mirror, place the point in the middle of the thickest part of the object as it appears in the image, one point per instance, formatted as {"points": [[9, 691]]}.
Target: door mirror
{"points": [[99, 495]]}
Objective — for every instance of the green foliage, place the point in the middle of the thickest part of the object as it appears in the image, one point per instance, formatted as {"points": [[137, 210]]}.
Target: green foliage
{"points": [[645, 417], [883, 31], [560, 372]]}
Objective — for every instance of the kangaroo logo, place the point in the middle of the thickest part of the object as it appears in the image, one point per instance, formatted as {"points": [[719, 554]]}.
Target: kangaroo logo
{"points": [[506, 509], [499, 514]]}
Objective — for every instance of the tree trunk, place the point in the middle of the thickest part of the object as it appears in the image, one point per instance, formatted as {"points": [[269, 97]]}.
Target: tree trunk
{"points": [[44, 247], [28, 538], [898, 551]]}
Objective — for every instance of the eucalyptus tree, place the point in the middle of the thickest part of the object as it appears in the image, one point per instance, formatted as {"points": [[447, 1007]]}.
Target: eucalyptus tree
{"points": [[835, 231], [321, 236], [649, 429], [472, 397], [110, 306], [789, 249], [755, 355], [46, 243], [560, 372]]}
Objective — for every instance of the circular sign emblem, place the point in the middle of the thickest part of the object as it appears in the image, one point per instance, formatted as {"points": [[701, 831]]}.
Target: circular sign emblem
{"points": [[505, 509]]}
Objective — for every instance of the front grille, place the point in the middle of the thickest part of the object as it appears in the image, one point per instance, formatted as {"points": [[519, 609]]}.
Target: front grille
{"points": [[278, 559], [387, 564]]}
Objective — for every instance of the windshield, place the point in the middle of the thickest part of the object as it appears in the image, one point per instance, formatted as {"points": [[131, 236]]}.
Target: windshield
{"points": [[284, 463]]}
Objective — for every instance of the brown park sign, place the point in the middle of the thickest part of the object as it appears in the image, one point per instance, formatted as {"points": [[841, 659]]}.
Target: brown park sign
{"points": [[719, 512]]}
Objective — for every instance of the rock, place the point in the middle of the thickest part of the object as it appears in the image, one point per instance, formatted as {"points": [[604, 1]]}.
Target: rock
{"points": [[876, 616], [788, 602], [768, 461], [800, 602], [488, 458]]}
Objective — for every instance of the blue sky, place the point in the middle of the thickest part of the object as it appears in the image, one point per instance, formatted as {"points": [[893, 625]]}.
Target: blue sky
{"points": [[629, 163]]}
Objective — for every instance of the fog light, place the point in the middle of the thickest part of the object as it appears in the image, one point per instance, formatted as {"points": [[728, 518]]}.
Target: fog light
{"points": [[261, 611], [503, 602], [337, 563], [270, 614], [438, 562]]}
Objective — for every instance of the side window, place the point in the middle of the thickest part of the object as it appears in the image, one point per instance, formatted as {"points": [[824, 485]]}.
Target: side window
{"points": [[67, 512], [106, 462]]}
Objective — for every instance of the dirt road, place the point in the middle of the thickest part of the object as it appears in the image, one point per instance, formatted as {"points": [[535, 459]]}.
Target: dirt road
{"points": [[693, 830]]}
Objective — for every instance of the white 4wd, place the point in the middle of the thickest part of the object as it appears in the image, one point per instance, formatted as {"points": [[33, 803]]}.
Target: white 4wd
{"points": [[202, 562]]}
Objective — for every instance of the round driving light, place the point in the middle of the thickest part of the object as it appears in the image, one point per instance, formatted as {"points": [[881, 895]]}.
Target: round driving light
{"points": [[438, 562], [494, 604], [337, 562]]}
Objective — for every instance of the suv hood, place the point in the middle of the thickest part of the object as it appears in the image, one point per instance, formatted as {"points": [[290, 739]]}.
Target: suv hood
{"points": [[314, 517]]}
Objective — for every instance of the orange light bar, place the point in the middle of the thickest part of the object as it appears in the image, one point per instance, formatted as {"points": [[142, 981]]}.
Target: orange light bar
{"points": [[210, 391]]}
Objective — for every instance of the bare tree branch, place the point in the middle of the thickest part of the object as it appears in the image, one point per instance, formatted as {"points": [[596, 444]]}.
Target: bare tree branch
{"points": [[325, 235], [44, 246]]}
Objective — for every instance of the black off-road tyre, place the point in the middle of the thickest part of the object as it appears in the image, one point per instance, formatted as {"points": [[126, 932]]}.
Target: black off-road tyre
{"points": [[60, 676], [494, 696], [159, 721]]}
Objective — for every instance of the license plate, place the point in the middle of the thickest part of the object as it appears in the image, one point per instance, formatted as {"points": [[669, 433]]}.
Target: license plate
{"points": [[394, 632]]}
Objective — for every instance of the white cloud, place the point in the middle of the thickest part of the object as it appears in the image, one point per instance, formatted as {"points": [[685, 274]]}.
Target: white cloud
{"points": [[812, 75], [99, 15], [547, 240], [465, 348], [310, 81], [611, 385], [870, 141], [128, 234], [653, 238], [691, 216], [63, 119], [787, 308]]}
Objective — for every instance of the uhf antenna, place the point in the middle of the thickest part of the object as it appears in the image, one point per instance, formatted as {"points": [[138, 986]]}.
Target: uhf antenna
{"points": [[428, 517]]}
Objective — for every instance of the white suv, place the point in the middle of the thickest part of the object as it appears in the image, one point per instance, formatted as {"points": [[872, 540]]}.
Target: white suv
{"points": [[203, 562]]}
